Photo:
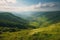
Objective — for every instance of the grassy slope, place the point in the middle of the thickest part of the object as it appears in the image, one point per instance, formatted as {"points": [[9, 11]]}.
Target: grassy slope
{"points": [[45, 33], [8, 19], [51, 32]]}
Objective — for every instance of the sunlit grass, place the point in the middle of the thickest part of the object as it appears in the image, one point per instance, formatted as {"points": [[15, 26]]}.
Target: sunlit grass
{"points": [[51, 32]]}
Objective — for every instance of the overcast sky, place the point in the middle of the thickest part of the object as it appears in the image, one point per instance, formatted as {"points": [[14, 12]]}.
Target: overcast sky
{"points": [[29, 5]]}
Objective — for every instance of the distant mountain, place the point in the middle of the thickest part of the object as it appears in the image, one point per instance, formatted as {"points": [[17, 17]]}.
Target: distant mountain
{"points": [[9, 20], [53, 16], [24, 15], [24, 20], [40, 19], [32, 15]]}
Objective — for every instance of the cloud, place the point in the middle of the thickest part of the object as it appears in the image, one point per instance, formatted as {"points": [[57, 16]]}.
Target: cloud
{"points": [[7, 1], [11, 1], [36, 5], [44, 5], [48, 5], [8, 5]]}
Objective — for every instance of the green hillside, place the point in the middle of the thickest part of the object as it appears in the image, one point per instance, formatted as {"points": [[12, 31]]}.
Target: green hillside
{"points": [[10, 21], [41, 19], [40, 26], [51, 32]]}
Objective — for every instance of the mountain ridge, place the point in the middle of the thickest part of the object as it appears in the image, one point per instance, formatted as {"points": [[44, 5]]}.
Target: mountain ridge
{"points": [[8, 19]]}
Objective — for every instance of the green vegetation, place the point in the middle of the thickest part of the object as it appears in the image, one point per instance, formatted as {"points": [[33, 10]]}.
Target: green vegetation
{"points": [[10, 20], [39, 27], [47, 33]]}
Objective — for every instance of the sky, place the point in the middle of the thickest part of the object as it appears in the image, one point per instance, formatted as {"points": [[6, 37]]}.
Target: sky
{"points": [[29, 5]]}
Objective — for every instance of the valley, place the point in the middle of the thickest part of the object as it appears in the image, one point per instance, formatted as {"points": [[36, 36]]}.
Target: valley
{"points": [[38, 26]]}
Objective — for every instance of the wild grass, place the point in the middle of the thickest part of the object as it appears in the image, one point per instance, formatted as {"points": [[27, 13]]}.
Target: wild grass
{"points": [[51, 32]]}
